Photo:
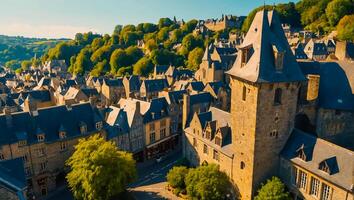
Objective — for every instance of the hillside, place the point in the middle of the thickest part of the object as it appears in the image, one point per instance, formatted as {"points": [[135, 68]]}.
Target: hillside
{"points": [[17, 49]]}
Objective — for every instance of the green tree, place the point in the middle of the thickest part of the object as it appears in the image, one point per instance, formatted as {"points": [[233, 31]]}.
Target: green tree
{"points": [[82, 62], [134, 54], [195, 58], [99, 170], [337, 9], [26, 64], [165, 22], [207, 183], [176, 176], [345, 28], [162, 35], [274, 189], [118, 59], [190, 42], [143, 67]]}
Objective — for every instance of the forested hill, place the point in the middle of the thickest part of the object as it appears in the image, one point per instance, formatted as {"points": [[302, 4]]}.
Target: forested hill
{"points": [[135, 49], [14, 49]]}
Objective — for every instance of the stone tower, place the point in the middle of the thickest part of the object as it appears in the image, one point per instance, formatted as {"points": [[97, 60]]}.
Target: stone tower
{"points": [[264, 86]]}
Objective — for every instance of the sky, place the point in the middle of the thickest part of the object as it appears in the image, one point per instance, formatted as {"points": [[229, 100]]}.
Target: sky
{"points": [[65, 18]]}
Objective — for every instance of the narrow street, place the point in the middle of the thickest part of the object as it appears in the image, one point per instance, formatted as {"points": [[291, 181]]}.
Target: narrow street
{"points": [[152, 179]]}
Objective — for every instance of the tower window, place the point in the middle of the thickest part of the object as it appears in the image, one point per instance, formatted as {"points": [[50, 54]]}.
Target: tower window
{"points": [[277, 96], [244, 90], [242, 165]]}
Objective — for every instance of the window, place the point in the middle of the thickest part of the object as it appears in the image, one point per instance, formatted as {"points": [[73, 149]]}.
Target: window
{"points": [[152, 137], [99, 125], [324, 167], [277, 96], [246, 54], [278, 60], [244, 90], [2, 157], [163, 123], [83, 129], [205, 149], [63, 146], [43, 166], [303, 179], [326, 190], [22, 143], [294, 176], [195, 142], [207, 134], [315, 186], [242, 165], [28, 171], [163, 133], [40, 152], [152, 126], [24, 158], [62, 135], [40, 137], [216, 155], [218, 140], [274, 133]]}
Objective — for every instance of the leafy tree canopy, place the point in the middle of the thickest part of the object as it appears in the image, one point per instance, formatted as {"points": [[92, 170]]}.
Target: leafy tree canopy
{"points": [[345, 28], [274, 189], [99, 170]]}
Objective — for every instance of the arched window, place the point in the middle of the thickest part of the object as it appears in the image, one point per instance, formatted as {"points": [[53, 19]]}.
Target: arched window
{"points": [[244, 90], [277, 96]]}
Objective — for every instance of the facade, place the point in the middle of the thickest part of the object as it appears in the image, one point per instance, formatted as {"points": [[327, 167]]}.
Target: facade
{"points": [[209, 70], [44, 139], [112, 90]]}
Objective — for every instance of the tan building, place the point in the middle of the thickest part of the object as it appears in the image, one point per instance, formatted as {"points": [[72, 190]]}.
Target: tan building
{"points": [[45, 139], [112, 90]]}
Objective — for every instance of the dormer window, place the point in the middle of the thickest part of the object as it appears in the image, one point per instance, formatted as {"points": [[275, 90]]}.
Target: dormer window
{"points": [[40, 137], [83, 128], [218, 140], [324, 167], [246, 54], [62, 134], [99, 125], [22, 143], [278, 58], [301, 153]]}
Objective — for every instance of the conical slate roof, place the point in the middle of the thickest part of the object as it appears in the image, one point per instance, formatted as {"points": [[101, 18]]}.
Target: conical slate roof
{"points": [[264, 37]]}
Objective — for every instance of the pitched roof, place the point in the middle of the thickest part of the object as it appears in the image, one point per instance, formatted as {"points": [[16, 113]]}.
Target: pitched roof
{"points": [[114, 82], [265, 35], [336, 83], [12, 174], [50, 120], [319, 151], [155, 85]]}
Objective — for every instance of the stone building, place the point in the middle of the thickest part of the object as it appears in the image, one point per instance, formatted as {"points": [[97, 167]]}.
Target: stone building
{"points": [[44, 139], [316, 50], [150, 88], [112, 90], [273, 100], [209, 69]]}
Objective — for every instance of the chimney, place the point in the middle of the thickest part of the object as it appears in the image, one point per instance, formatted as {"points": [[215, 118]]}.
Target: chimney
{"points": [[137, 106], [8, 116], [185, 110]]}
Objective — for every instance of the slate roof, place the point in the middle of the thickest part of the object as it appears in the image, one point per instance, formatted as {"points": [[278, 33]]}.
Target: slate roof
{"points": [[336, 83], [114, 82], [155, 85], [38, 95], [49, 120], [134, 83], [203, 97], [12, 174], [196, 85], [118, 122], [161, 69], [316, 48], [340, 160], [90, 92], [175, 96], [5, 100], [264, 35]]}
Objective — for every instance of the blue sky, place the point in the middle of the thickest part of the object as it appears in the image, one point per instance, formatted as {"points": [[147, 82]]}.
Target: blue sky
{"points": [[64, 18]]}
